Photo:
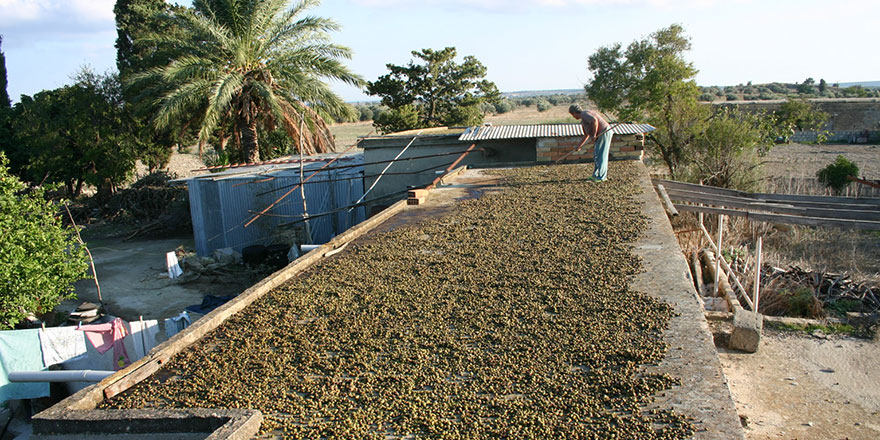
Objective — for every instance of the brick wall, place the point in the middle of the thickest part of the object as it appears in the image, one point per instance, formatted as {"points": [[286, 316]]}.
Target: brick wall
{"points": [[623, 147]]}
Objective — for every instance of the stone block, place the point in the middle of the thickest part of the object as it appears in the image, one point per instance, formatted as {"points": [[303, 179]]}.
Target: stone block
{"points": [[747, 327], [417, 193]]}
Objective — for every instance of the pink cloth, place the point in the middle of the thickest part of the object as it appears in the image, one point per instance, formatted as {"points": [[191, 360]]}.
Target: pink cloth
{"points": [[104, 336]]}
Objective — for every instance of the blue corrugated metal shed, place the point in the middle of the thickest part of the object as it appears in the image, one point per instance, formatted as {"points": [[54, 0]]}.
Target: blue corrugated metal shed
{"points": [[221, 203]]}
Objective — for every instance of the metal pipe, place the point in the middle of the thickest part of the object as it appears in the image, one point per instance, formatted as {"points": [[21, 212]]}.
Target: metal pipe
{"points": [[386, 168], [59, 376], [308, 247]]}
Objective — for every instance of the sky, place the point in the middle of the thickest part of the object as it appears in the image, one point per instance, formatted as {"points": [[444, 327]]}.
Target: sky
{"points": [[524, 44]]}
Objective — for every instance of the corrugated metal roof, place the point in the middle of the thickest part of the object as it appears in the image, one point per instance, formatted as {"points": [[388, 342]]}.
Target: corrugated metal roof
{"points": [[492, 132]]}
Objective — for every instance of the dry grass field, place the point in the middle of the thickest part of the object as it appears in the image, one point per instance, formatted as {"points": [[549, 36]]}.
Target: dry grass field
{"points": [[347, 134]]}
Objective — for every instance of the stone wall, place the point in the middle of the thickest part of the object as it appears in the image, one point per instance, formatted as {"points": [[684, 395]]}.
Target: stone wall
{"points": [[623, 147], [848, 117]]}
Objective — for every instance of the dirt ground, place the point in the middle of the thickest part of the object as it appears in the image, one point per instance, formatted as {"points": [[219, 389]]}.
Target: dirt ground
{"points": [[134, 281], [803, 160], [799, 386]]}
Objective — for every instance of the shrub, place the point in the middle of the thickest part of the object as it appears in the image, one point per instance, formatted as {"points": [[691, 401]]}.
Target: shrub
{"points": [[543, 105], [39, 257], [707, 97], [398, 119], [732, 97], [503, 106], [835, 175]]}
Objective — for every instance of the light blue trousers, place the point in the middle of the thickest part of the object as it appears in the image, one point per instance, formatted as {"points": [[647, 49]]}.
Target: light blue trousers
{"points": [[600, 155]]}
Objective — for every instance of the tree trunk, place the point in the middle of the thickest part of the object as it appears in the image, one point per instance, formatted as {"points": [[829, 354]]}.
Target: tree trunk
{"points": [[250, 149]]}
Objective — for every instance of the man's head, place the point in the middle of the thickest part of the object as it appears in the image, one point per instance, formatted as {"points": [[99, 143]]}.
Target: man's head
{"points": [[575, 111]]}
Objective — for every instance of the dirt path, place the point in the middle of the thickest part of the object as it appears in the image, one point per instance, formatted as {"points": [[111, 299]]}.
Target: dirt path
{"points": [[134, 281], [800, 387]]}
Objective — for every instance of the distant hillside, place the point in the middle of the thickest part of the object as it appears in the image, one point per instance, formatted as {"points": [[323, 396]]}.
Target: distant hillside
{"points": [[529, 93], [866, 84]]}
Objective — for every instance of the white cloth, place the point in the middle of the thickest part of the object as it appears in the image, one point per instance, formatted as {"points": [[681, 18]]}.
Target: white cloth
{"points": [[176, 324], [173, 265], [143, 337], [61, 344]]}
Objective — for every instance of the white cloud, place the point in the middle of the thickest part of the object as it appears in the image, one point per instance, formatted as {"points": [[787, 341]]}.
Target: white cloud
{"points": [[20, 13], [519, 5]]}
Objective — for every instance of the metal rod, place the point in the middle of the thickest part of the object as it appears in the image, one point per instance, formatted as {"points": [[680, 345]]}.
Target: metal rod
{"points": [[59, 376], [295, 187], [375, 182], [452, 166]]}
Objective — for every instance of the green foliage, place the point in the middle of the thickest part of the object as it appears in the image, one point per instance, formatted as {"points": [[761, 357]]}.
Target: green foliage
{"points": [[75, 135], [443, 92], [5, 105], [399, 119], [254, 66], [39, 257], [726, 153], [807, 89], [799, 115], [503, 106], [835, 175], [543, 105], [650, 81]]}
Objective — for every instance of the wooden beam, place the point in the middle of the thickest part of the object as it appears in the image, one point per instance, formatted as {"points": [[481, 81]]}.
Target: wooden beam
{"points": [[670, 184], [667, 204], [873, 184], [736, 202], [787, 219]]}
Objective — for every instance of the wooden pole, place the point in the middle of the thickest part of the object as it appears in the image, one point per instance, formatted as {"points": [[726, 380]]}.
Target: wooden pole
{"points": [[758, 273], [718, 259], [302, 188], [91, 260], [727, 268], [667, 203]]}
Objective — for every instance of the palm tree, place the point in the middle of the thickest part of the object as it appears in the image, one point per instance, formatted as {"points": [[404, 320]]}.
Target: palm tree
{"points": [[252, 63]]}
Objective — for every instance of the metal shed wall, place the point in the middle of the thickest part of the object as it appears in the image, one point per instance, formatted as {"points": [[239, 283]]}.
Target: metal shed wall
{"points": [[221, 205]]}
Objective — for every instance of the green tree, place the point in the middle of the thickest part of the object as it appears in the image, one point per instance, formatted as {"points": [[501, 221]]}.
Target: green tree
{"points": [[39, 257], [651, 81], [399, 119], [5, 105], [135, 53], [75, 135], [836, 174], [254, 63], [442, 91], [822, 85], [726, 152], [798, 115]]}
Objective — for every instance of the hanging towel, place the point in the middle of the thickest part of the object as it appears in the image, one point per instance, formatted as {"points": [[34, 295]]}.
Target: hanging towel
{"points": [[172, 265], [105, 336], [176, 324], [143, 336], [60, 344], [20, 351]]}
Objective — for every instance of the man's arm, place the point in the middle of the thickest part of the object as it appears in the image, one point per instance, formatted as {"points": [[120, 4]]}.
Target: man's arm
{"points": [[587, 136]]}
